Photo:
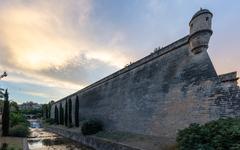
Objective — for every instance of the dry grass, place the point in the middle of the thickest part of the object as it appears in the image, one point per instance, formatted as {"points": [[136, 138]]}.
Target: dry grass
{"points": [[13, 143]]}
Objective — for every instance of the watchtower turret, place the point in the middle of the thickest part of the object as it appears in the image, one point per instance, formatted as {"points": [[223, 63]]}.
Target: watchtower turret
{"points": [[200, 31]]}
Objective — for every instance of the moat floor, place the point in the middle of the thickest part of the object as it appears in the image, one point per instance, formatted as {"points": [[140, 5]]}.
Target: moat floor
{"points": [[139, 141], [44, 140]]}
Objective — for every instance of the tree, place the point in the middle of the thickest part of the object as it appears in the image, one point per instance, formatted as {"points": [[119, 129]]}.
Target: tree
{"points": [[66, 114], [56, 115], [77, 112], [5, 115], [14, 107], [49, 110], [50, 104], [70, 112], [61, 115], [46, 111]]}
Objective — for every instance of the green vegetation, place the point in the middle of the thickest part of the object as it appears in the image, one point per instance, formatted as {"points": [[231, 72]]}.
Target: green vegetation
{"points": [[14, 106], [90, 127], [66, 114], [56, 115], [36, 112], [5, 116], [61, 115], [70, 113], [18, 125], [77, 112], [20, 130], [46, 110], [11, 143], [222, 134], [17, 118], [50, 121], [14, 123]]}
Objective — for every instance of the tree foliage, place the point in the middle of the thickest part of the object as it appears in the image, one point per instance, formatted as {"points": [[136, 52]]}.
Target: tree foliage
{"points": [[70, 113], [66, 114], [61, 115], [14, 106], [17, 118], [5, 116], [56, 116], [92, 126], [77, 112], [32, 111], [223, 134], [19, 130], [46, 110]]}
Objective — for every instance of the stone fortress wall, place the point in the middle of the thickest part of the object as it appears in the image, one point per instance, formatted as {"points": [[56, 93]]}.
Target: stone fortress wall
{"points": [[163, 92]]}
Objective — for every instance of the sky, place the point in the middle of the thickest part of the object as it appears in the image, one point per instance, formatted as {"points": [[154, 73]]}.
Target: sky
{"points": [[51, 49]]}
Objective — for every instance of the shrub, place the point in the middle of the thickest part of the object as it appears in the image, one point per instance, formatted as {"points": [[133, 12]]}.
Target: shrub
{"points": [[56, 118], [20, 130], [66, 114], [69, 112], [5, 116], [91, 127], [70, 125], [50, 121], [222, 134], [17, 118], [61, 115], [77, 112]]}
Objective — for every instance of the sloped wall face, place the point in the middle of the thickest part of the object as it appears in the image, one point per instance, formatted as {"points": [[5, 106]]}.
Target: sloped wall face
{"points": [[225, 101], [158, 97]]}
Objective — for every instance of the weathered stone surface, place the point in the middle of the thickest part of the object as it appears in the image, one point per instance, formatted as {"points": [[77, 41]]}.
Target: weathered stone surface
{"points": [[94, 142], [161, 93]]}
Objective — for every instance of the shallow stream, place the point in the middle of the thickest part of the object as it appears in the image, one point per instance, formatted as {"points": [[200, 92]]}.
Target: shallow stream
{"points": [[44, 140]]}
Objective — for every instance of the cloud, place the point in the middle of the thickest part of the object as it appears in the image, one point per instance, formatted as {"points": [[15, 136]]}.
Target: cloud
{"points": [[47, 44], [38, 38], [61, 46], [38, 94]]}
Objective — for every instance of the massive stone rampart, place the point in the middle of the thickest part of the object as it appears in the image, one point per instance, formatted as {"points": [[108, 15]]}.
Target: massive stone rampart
{"points": [[163, 92]]}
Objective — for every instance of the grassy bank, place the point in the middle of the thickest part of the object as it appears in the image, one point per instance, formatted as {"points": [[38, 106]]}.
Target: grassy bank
{"points": [[11, 143]]}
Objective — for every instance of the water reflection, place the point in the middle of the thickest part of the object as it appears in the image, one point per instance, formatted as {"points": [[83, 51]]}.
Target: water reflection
{"points": [[55, 143], [35, 123], [44, 140]]}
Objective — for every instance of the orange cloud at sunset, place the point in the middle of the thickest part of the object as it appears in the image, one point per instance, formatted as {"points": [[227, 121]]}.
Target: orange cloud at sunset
{"points": [[62, 46]]}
